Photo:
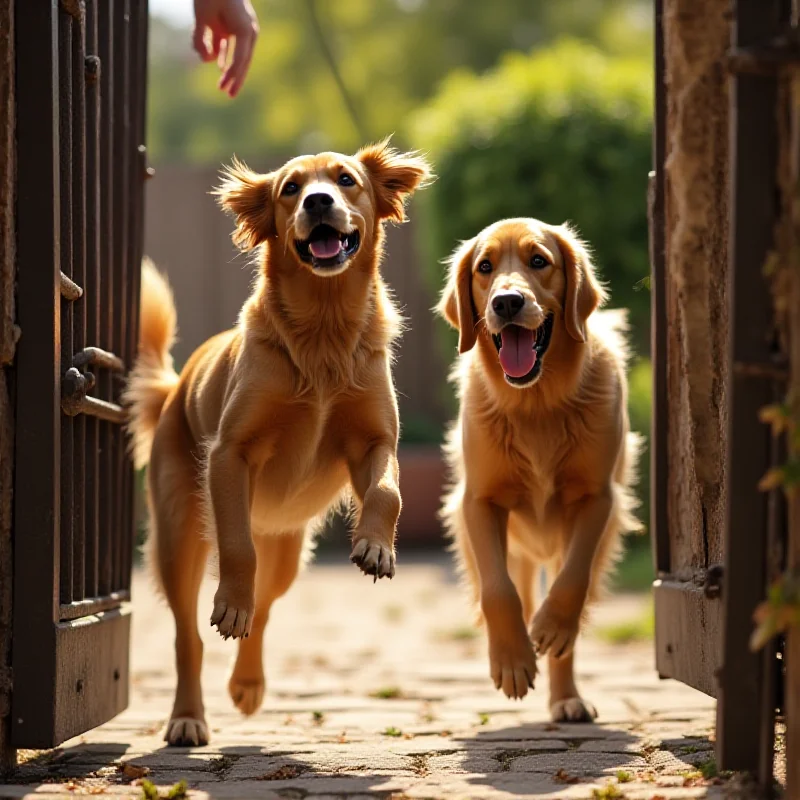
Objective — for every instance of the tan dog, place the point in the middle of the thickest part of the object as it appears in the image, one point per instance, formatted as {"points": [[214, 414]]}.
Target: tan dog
{"points": [[541, 455], [275, 423]]}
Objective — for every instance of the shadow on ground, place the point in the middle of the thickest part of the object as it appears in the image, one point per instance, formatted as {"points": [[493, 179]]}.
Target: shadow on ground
{"points": [[527, 760]]}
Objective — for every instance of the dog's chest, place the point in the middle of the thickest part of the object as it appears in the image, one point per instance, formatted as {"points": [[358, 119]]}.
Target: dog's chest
{"points": [[306, 469], [536, 453]]}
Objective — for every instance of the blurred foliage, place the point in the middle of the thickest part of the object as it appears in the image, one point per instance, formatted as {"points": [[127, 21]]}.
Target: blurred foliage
{"points": [[392, 56], [420, 429], [640, 400], [562, 134]]}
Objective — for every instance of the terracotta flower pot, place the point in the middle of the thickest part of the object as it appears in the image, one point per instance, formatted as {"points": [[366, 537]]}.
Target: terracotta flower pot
{"points": [[422, 478]]}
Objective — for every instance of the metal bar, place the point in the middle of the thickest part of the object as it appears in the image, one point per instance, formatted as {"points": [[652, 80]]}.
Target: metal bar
{"points": [[110, 412], [139, 175], [69, 289], [754, 210], [97, 357], [659, 444], [65, 23], [767, 58], [120, 263], [79, 310], [93, 605], [92, 69], [104, 288], [38, 369], [772, 372]]}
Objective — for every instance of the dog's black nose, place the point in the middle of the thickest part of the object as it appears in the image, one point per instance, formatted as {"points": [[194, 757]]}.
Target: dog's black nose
{"points": [[508, 304], [318, 202]]}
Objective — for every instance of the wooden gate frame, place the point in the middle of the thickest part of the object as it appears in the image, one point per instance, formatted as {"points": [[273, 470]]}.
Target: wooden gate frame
{"points": [[80, 70], [712, 620]]}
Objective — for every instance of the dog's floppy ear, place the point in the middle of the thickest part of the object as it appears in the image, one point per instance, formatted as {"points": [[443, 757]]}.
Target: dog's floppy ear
{"points": [[455, 304], [584, 293], [395, 176], [248, 196]]}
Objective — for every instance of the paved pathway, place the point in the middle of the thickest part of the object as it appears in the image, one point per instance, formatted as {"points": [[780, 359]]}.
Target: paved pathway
{"points": [[382, 690]]}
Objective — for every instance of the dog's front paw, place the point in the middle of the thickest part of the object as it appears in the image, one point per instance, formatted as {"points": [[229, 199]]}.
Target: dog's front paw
{"points": [[373, 558], [552, 632], [513, 667], [572, 709], [233, 613]]}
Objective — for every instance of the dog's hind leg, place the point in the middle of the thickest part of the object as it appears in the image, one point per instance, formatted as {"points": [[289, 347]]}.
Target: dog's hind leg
{"points": [[566, 704], [177, 552], [278, 561]]}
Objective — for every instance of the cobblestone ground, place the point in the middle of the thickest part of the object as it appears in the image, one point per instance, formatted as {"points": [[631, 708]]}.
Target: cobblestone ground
{"points": [[383, 690]]}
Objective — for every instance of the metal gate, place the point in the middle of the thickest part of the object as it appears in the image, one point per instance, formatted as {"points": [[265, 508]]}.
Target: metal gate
{"points": [[80, 98], [707, 588]]}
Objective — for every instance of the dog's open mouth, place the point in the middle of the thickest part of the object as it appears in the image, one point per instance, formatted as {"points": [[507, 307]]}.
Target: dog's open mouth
{"points": [[521, 350], [327, 248]]}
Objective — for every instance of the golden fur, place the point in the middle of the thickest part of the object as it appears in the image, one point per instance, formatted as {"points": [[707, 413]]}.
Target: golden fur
{"points": [[541, 472], [270, 425]]}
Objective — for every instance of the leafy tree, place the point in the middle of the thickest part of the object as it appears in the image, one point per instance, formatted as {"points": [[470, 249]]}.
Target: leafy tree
{"points": [[391, 56]]}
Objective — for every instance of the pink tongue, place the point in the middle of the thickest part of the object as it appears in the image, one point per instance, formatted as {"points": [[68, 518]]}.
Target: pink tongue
{"points": [[325, 248], [517, 355]]}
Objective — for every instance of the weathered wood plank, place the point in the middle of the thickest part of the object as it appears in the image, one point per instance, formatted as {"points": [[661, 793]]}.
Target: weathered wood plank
{"points": [[696, 39], [688, 633], [91, 673]]}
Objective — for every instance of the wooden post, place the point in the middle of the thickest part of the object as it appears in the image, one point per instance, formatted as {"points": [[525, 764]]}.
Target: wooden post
{"points": [[7, 348]]}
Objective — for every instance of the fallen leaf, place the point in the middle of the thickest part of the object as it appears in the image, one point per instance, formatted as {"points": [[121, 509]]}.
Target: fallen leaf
{"points": [[133, 771]]}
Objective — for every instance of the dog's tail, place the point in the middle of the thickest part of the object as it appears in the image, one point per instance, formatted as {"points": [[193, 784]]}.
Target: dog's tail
{"points": [[153, 377]]}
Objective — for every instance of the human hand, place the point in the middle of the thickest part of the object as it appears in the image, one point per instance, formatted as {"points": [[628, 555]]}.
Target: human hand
{"points": [[226, 30]]}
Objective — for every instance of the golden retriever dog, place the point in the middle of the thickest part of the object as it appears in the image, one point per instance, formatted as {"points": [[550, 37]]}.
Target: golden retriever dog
{"points": [[541, 455], [276, 422]]}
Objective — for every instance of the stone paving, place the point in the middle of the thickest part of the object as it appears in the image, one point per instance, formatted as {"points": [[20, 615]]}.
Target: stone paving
{"points": [[383, 690]]}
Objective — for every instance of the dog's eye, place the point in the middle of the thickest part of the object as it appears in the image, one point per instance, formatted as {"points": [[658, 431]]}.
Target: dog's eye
{"points": [[346, 180], [485, 267], [290, 188], [539, 262]]}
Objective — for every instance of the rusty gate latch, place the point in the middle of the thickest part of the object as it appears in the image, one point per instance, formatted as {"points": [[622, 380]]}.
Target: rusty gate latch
{"points": [[77, 382]]}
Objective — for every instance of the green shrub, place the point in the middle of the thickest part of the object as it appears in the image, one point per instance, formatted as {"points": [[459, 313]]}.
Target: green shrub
{"points": [[562, 134]]}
